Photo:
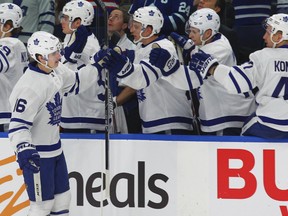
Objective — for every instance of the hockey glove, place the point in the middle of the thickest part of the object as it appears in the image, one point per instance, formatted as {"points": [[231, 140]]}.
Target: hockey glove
{"points": [[163, 60], [201, 63], [28, 157], [73, 50], [184, 42], [118, 64], [130, 54], [98, 58]]}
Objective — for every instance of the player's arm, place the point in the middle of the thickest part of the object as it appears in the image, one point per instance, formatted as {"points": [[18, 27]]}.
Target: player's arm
{"points": [[75, 82], [177, 19], [236, 79], [180, 76], [140, 75], [25, 104]]}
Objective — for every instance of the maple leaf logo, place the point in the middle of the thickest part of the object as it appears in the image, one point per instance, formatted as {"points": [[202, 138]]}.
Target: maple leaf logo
{"points": [[55, 110], [141, 95]]}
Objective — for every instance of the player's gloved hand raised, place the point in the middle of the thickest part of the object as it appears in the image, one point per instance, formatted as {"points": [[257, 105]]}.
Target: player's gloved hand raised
{"points": [[73, 50], [184, 42], [28, 157], [98, 58], [201, 63], [163, 60], [130, 54], [117, 63]]}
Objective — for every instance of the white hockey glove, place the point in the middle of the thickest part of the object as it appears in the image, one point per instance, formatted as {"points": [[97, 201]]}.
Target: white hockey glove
{"points": [[201, 63], [28, 157], [163, 60]]}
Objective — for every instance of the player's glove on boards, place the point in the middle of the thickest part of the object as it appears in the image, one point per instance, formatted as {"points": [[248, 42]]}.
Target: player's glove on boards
{"points": [[28, 157]]}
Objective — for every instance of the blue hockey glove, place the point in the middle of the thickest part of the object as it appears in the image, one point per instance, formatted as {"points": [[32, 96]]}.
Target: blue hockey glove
{"points": [[163, 60], [118, 64], [201, 63], [72, 51], [183, 41], [98, 58], [130, 54], [28, 157]]}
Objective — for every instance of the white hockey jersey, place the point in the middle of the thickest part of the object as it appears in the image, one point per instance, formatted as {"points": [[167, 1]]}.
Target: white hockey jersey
{"points": [[13, 60], [218, 109], [268, 70], [161, 106], [36, 101], [87, 109]]}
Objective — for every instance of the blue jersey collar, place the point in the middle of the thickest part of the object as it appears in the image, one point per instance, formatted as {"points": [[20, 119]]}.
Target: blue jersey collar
{"points": [[33, 66]]}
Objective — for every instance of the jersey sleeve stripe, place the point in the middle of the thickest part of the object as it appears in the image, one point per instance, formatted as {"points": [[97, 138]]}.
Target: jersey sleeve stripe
{"points": [[151, 68], [21, 121], [18, 129], [244, 76], [234, 82], [146, 77]]}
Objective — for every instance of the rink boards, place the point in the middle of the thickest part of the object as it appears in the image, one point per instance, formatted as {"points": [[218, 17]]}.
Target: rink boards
{"points": [[163, 176]]}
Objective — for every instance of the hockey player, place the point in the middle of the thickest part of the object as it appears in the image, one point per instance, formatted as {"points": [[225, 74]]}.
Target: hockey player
{"points": [[85, 111], [267, 69], [229, 111], [126, 110], [13, 57], [34, 126], [163, 108]]}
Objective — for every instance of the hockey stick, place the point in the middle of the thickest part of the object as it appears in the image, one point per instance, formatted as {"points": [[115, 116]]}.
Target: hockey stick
{"points": [[108, 106]]}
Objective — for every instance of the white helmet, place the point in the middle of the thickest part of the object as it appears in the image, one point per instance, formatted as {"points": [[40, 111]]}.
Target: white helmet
{"points": [[43, 43], [79, 8], [10, 11], [278, 22], [204, 19], [149, 15]]}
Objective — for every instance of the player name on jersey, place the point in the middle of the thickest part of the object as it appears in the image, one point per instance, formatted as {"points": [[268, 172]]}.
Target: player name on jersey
{"points": [[281, 66]]}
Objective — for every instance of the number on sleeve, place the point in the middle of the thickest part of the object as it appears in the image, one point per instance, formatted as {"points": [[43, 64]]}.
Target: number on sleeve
{"points": [[20, 105]]}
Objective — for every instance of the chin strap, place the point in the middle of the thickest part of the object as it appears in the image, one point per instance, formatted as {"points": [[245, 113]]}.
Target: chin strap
{"points": [[3, 32], [274, 43], [46, 64], [142, 37], [70, 23]]}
